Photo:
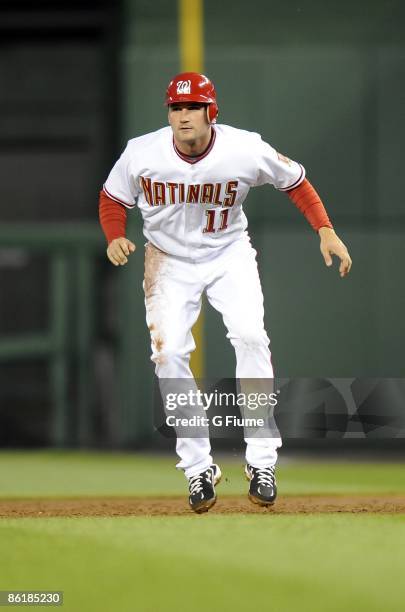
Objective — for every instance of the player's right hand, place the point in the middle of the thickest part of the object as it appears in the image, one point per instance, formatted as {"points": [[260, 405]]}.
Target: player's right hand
{"points": [[118, 251]]}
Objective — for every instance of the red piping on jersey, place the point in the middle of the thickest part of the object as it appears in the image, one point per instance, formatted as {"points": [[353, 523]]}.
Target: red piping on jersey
{"points": [[117, 199], [194, 159], [113, 217], [310, 204], [296, 183]]}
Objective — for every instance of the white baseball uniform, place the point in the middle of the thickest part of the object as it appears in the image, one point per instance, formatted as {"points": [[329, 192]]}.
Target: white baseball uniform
{"points": [[197, 242]]}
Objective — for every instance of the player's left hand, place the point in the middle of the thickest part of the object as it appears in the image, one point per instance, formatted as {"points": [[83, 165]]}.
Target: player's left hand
{"points": [[332, 245]]}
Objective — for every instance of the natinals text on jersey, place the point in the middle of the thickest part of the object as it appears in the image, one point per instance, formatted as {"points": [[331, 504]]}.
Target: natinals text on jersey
{"points": [[158, 193]]}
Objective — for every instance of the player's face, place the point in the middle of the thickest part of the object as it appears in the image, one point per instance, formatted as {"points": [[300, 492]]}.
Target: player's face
{"points": [[189, 122]]}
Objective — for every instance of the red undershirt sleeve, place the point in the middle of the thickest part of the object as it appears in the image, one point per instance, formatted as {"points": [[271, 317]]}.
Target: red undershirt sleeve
{"points": [[310, 204], [113, 217]]}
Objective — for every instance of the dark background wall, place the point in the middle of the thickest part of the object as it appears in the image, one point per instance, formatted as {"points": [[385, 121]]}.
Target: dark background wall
{"points": [[322, 82], [59, 128]]}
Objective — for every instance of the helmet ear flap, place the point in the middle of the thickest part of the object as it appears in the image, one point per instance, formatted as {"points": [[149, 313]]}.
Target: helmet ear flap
{"points": [[212, 112]]}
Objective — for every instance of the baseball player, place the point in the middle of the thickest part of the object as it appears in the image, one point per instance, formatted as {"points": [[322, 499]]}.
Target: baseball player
{"points": [[189, 181]]}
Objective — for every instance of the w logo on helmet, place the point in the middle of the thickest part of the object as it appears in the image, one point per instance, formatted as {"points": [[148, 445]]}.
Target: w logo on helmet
{"points": [[184, 87]]}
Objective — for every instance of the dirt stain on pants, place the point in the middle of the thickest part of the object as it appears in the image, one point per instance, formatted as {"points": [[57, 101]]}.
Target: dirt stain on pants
{"points": [[154, 265]]}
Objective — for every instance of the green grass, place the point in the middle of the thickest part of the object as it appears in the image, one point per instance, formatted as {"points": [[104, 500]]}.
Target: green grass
{"points": [[63, 474], [305, 563]]}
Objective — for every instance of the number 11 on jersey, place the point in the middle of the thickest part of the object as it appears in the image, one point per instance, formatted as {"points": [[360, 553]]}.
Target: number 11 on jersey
{"points": [[210, 226]]}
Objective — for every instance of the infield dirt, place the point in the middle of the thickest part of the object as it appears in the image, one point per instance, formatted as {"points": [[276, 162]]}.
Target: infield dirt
{"points": [[177, 506]]}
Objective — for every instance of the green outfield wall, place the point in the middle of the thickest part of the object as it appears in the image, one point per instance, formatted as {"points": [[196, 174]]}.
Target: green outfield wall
{"points": [[322, 83]]}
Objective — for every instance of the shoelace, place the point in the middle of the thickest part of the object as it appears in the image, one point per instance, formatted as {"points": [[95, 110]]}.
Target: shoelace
{"points": [[265, 476], [196, 482]]}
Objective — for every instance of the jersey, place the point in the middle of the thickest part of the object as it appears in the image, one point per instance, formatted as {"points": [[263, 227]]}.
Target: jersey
{"points": [[191, 208]]}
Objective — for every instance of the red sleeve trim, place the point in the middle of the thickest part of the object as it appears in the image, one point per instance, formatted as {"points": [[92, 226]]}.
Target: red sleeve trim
{"points": [[117, 199], [113, 217], [296, 183], [310, 204]]}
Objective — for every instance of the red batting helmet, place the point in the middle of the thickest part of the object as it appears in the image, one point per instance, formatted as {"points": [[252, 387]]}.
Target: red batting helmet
{"points": [[193, 87]]}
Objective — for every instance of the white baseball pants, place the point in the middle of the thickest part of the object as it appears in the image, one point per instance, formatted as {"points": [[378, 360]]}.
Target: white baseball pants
{"points": [[173, 290]]}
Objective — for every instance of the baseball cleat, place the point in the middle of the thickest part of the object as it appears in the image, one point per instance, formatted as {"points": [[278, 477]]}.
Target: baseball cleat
{"points": [[202, 489], [263, 486]]}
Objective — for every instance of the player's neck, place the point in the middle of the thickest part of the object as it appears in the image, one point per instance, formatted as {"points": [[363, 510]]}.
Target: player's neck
{"points": [[196, 147]]}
